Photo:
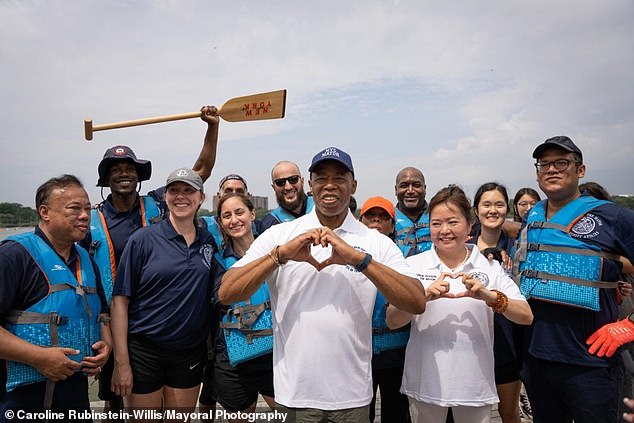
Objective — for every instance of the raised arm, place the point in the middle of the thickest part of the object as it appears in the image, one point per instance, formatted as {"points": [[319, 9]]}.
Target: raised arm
{"points": [[207, 157]]}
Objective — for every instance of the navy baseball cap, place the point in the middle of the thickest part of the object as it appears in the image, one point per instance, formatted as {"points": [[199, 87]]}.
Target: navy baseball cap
{"points": [[120, 153], [234, 177], [186, 175], [563, 142], [332, 153]]}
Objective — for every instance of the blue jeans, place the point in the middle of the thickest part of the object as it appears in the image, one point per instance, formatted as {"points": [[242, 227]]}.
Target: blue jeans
{"points": [[561, 392]]}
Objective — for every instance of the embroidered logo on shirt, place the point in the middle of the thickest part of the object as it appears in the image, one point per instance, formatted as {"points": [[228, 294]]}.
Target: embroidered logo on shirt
{"points": [[207, 251], [481, 276]]}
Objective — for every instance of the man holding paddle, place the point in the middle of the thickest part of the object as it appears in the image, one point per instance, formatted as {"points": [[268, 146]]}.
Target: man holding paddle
{"points": [[124, 211]]}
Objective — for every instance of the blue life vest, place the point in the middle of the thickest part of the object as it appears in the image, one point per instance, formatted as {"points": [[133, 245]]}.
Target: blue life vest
{"points": [[282, 215], [412, 234], [552, 265], [66, 317], [248, 325], [214, 229], [384, 338], [101, 248]]}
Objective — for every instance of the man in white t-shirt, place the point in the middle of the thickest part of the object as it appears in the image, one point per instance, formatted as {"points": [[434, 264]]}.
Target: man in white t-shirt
{"points": [[323, 271]]}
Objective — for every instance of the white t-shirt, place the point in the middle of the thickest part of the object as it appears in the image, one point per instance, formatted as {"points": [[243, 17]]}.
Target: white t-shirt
{"points": [[322, 329], [449, 356]]}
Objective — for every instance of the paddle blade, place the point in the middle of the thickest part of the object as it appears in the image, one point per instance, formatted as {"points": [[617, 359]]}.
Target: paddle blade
{"points": [[271, 105]]}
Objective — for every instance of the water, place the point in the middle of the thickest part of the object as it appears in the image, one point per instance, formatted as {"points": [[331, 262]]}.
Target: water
{"points": [[7, 232]]}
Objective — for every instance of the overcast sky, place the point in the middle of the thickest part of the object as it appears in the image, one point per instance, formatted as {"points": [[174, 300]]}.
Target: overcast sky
{"points": [[463, 90]]}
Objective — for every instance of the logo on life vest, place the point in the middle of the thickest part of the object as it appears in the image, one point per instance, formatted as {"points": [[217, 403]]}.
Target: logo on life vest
{"points": [[584, 226]]}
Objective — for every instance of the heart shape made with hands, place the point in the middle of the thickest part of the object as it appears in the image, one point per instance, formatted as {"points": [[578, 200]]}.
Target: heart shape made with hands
{"points": [[461, 275], [320, 254]]}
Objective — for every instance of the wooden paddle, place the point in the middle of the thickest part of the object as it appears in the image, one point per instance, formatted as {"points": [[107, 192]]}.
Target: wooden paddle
{"points": [[271, 105]]}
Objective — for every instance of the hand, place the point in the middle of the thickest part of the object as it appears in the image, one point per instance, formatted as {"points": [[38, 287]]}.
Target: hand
{"points": [[629, 403], [209, 114], [121, 380], [342, 252], [475, 289], [54, 363], [439, 288], [92, 365], [298, 248], [625, 289], [507, 261], [606, 340]]}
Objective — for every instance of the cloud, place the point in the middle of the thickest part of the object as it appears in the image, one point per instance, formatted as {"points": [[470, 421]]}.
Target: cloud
{"points": [[463, 90]]}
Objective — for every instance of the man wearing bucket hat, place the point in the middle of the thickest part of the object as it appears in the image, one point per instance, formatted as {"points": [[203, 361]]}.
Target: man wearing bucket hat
{"points": [[323, 271], [568, 268], [124, 211]]}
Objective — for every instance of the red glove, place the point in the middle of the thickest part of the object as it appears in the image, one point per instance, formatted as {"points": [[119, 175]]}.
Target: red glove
{"points": [[610, 337]]}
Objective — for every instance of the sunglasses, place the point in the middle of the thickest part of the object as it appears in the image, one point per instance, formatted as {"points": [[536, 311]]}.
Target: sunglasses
{"points": [[280, 182]]}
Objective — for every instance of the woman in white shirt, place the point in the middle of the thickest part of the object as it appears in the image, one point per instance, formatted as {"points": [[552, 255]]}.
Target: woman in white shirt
{"points": [[449, 356]]}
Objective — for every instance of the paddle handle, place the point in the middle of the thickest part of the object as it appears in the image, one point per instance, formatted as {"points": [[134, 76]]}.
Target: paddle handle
{"points": [[89, 128]]}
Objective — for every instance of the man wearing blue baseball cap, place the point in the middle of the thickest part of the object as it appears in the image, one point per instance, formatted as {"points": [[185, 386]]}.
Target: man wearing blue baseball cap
{"points": [[323, 271]]}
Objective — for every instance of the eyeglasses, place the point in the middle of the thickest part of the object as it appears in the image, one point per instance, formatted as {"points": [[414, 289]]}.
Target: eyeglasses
{"points": [[280, 182], [560, 165], [527, 203]]}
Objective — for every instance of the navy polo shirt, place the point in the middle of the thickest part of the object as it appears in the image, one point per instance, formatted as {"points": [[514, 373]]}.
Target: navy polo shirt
{"points": [[169, 285], [121, 225], [558, 333]]}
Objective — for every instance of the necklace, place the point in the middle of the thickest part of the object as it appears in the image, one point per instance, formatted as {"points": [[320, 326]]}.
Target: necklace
{"points": [[464, 260]]}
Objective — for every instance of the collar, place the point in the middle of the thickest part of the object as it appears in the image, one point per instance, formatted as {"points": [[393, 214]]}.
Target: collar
{"points": [[469, 263], [109, 209], [73, 249], [350, 224], [168, 231]]}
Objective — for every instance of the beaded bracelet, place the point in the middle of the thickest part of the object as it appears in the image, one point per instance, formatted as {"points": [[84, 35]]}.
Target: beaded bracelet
{"points": [[501, 302]]}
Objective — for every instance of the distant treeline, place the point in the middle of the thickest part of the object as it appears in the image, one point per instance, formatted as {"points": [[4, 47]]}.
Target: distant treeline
{"points": [[14, 214]]}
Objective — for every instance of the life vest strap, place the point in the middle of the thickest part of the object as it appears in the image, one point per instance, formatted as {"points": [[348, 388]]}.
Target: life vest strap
{"points": [[383, 331], [532, 246], [245, 315], [79, 290], [21, 317], [536, 274]]}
